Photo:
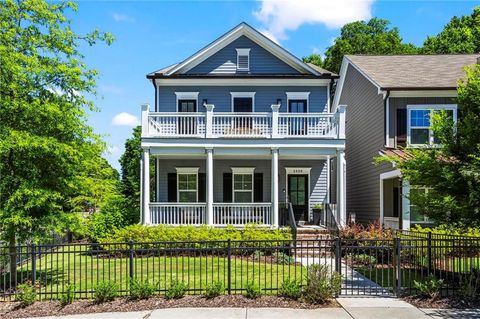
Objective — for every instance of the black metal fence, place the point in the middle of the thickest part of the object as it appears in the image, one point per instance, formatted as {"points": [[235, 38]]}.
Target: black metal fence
{"points": [[384, 266]]}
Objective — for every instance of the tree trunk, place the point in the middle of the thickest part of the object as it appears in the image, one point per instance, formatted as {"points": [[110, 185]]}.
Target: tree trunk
{"points": [[13, 260]]}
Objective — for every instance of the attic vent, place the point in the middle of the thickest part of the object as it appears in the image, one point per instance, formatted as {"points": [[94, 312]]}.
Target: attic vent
{"points": [[243, 59]]}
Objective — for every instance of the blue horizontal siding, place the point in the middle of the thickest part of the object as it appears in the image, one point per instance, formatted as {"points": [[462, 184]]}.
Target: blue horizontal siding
{"points": [[220, 96], [225, 60]]}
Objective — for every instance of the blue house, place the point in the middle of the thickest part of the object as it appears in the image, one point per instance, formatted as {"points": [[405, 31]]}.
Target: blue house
{"points": [[242, 131]]}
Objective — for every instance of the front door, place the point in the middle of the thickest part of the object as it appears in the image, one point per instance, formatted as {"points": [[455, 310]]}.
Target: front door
{"points": [[187, 125], [298, 196]]}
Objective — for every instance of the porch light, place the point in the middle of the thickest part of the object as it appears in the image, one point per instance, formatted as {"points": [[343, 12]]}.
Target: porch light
{"points": [[205, 101], [279, 101]]}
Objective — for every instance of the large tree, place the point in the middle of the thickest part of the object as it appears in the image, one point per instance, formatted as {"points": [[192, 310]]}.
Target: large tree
{"points": [[365, 37], [460, 35], [314, 59], [451, 170], [44, 138]]}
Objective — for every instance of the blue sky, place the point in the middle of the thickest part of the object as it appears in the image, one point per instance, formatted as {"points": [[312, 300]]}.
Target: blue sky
{"points": [[153, 34]]}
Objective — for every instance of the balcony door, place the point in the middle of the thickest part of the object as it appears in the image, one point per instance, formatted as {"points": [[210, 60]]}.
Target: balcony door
{"points": [[298, 196], [242, 104], [297, 125], [187, 125]]}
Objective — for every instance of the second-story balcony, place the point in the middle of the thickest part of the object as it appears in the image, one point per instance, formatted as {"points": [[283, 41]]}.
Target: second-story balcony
{"points": [[210, 124]]}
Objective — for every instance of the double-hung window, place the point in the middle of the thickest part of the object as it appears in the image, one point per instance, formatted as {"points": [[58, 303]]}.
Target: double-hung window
{"points": [[242, 184], [187, 185], [419, 117]]}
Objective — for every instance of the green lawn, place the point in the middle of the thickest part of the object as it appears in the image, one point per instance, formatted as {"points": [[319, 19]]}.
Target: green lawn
{"points": [[70, 265]]}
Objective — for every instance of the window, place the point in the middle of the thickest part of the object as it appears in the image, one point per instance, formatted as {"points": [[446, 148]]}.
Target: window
{"points": [[243, 101], [418, 122], [187, 101], [242, 185], [243, 59], [187, 182]]}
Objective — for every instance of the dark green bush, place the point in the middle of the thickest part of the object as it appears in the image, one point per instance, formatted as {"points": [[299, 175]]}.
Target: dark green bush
{"points": [[429, 288], [290, 288], [214, 289], [321, 284], [68, 296], [141, 289], [252, 291], [177, 290], [470, 284], [26, 294], [105, 291]]}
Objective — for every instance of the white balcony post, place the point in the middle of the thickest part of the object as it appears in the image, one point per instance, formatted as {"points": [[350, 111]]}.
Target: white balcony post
{"points": [[209, 186], [341, 121], [275, 108], [341, 189], [146, 187], [405, 205], [209, 120], [145, 111], [274, 187]]}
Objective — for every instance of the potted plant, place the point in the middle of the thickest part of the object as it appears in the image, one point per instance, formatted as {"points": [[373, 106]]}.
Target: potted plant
{"points": [[317, 213]]}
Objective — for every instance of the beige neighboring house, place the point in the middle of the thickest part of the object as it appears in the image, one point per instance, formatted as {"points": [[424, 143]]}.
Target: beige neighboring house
{"points": [[389, 101]]}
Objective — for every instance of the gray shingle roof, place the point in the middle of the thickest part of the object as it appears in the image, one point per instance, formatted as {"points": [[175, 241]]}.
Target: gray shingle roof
{"points": [[414, 71]]}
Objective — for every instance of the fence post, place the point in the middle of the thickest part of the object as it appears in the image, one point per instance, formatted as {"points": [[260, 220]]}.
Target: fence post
{"points": [[398, 270], [34, 264], [229, 270], [338, 255], [130, 244], [429, 252]]}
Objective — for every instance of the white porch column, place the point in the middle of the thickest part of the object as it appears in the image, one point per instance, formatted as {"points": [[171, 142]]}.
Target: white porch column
{"points": [[209, 186], [209, 120], [145, 110], [341, 121], [275, 108], [405, 205], [341, 189], [274, 187], [146, 187]]}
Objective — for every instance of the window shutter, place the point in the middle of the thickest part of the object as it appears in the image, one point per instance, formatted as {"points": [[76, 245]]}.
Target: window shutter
{"points": [[202, 188], [401, 127], [172, 187], [227, 187], [258, 187]]}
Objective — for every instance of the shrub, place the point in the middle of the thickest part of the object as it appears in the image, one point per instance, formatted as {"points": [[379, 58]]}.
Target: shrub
{"points": [[214, 289], [470, 284], [105, 291], [284, 259], [68, 295], [429, 288], [321, 284], [258, 254], [26, 294], [363, 259], [141, 290], [290, 288], [177, 290], [252, 291], [372, 231]]}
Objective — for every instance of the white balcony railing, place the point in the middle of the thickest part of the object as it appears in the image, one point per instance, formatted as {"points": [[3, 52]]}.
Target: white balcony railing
{"points": [[178, 213], [211, 124], [241, 213]]}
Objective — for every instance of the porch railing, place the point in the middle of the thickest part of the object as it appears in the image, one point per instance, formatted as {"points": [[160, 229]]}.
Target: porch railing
{"points": [[307, 124], [241, 124], [178, 213], [241, 213]]}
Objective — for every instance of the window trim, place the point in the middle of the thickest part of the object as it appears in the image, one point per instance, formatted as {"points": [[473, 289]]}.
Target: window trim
{"points": [[298, 96], [186, 96], [243, 52], [243, 171], [240, 95], [430, 107], [187, 171]]}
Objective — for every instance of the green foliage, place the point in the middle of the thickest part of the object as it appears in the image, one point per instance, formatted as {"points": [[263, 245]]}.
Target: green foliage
{"points": [[141, 290], [321, 284], [371, 231], [284, 259], [106, 221], [258, 254], [365, 37], [214, 289], [460, 35], [470, 284], [68, 296], [315, 59], [252, 291], [363, 259], [451, 171], [429, 288], [449, 229], [177, 290], [26, 294], [105, 291], [290, 288]]}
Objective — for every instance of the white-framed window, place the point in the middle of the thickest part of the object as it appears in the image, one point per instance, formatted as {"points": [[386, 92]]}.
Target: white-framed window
{"points": [[242, 184], [243, 102], [419, 130], [299, 102], [187, 184], [187, 101], [243, 59]]}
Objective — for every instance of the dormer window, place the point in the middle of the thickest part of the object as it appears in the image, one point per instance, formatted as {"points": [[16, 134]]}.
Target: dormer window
{"points": [[243, 59]]}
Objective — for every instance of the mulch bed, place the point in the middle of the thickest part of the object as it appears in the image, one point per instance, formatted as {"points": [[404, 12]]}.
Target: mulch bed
{"points": [[53, 308], [451, 302]]}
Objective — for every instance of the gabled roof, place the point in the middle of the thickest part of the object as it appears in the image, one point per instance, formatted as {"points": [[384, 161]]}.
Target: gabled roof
{"points": [[243, 29]]}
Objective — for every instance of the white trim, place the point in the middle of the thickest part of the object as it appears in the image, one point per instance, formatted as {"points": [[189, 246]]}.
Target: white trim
{"points": [[187, 171], [387, 123], [410, 107], [388, 175], [243, 171], [298, 96], [243, 52], [328, 97], [299, 171], [186, 96], [424, 93], [243, 94], [157, 181], [240, 82], [328, 179]]}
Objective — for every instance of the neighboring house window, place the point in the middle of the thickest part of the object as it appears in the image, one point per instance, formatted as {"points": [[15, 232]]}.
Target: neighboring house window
{"points": [[415, 215], [419, 117], [187, 184], [243, 59], [243, 184]]}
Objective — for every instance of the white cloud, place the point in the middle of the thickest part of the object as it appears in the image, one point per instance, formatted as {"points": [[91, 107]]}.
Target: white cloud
{"points": [[113, 150], [280, 16], [125, 119], [121, 17]]}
